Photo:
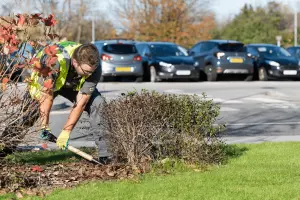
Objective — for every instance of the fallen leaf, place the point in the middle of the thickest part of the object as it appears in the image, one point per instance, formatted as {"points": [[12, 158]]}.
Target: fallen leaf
{"points": [[55, 173], [36, 168], [19, 195]]}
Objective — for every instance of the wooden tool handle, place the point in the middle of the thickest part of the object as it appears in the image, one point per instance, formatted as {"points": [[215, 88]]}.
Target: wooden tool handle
{"points": [[80, 153]]}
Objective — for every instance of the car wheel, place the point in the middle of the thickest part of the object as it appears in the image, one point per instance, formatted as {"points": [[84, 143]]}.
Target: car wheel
{"points": [[102, 79], [212, 77], [249, 78], [139, 79], [262, 74], [153, 74]]}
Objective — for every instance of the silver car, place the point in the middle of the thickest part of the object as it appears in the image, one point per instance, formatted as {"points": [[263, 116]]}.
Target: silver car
{"points": [[120, 59]]}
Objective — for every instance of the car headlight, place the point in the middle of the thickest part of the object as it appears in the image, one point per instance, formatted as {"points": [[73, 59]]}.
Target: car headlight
{"points": [[273, 63], [164, 64], [196, 64]]}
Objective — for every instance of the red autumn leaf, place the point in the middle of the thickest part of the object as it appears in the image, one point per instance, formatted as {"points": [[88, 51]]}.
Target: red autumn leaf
{"points": [[21, 20], [52, 36], [36, 63], [51, 61], [36, 168], [48, 84], [50, 21], [51, 50], [4, 82], [9, 49], [36, 16], [20, 66]]}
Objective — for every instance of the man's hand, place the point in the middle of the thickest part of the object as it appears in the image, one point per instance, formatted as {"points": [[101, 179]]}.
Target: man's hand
{"points": [[63, 140], [45, 133]]}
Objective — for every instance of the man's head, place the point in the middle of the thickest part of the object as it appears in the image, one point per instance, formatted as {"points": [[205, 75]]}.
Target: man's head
{"points": [[86, 59]]}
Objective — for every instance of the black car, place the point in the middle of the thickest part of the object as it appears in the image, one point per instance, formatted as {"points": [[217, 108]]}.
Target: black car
{"points": [[217, 58], [166, 60], [273, 62]]}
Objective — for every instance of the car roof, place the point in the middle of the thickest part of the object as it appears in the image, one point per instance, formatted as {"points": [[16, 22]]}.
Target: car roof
{"points": [[262, 44], [116, 41], [293, 47], [157, 42], [222, 41]]}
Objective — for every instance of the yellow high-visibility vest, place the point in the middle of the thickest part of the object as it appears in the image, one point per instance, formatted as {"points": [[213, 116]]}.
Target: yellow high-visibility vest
{"points": [[65, 51]]}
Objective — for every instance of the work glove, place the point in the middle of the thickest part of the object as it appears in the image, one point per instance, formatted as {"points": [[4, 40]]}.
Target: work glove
{"points": [[63, 140], [45, 133]]}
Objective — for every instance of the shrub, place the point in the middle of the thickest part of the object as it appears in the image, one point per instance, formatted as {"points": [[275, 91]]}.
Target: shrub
{"points": [[156, 126]]}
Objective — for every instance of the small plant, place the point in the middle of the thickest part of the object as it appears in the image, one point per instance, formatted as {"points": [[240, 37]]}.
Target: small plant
{"points": [[156, 126], [21, 36]]}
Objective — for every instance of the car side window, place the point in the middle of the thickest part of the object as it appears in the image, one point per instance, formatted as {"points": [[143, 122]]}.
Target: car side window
{"points": [[140, 48], [252, 51], [195, 50], [297, 53], [207, 46]]}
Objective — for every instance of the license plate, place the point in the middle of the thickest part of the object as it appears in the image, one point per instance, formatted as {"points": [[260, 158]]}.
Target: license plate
{"points": [[183, 72], [236, 60], [123, 69], [290, 72]]}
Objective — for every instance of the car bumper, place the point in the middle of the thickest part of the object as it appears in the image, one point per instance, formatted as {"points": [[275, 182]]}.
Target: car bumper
{"points": [[284, 73], [235, 69], [179, 74], [135, 69]]}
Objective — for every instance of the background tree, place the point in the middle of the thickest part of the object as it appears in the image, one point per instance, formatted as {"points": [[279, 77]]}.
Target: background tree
{"points": [[180, 21], [259, 25]]}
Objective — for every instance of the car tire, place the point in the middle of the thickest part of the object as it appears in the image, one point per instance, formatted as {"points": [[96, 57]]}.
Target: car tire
{"points": [[139, 79], [249, 78], [262, 74], [102, 79], [212, 77], [153, 74]]}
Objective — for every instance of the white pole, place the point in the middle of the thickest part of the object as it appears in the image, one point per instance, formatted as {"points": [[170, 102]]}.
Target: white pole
{"points": [[295, 24]]}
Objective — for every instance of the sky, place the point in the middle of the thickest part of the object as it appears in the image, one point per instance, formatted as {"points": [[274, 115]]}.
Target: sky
{"points": [[225, 9]]}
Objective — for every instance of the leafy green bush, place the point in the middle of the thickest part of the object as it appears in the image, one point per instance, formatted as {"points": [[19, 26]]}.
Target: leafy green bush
{"points": [[150, 125]]}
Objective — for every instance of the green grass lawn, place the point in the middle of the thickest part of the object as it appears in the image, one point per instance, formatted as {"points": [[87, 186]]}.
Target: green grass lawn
{"points": [[264, 171]]}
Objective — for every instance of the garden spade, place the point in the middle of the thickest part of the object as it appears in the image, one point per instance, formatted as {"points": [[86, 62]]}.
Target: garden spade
{"points": [[52, 138]]}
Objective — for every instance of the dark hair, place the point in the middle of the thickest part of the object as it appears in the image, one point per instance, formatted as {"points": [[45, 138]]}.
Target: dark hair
{"points": [[87, 54]]}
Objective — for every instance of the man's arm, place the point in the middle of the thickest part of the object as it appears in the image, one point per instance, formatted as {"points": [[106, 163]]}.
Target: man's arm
{"points": [[46, 102], [81, 101]]}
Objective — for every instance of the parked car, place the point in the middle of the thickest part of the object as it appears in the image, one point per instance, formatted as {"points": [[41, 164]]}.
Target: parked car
{"points": [[294, 51], [222, 57], [273, 62], [120, 58], [166, 60]]}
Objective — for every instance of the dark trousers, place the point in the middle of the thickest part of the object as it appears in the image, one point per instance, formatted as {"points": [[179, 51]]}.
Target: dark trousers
{"points": [[93, 109]]}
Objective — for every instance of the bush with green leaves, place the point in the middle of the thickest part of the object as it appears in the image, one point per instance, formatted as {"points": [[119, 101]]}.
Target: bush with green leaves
{"points": [[150, 125]]}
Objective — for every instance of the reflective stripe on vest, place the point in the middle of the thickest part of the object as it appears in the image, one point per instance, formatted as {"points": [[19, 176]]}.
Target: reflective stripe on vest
{"points": [[65, 52]]}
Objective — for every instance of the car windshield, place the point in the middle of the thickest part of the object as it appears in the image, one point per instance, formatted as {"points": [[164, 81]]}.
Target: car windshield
{"points": [[164, 50], [120, 48], [272, 51], [232, 47]]}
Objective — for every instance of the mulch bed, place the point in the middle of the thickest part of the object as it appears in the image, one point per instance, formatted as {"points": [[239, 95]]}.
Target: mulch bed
{"points": [[42, 179]]}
